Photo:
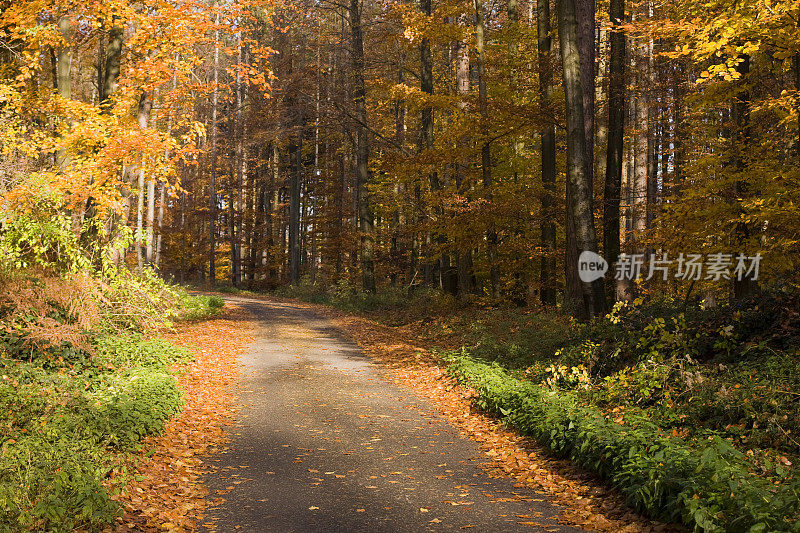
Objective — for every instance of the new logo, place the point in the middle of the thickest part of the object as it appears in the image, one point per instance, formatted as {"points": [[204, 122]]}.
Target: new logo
{"points": [[591, 266]]}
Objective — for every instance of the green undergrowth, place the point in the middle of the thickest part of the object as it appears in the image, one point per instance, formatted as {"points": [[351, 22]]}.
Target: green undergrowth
{"points": [[393, 304], [199, 307], [707, 484], [692, 412], [83, 378], [63, 421], [732, 371]]}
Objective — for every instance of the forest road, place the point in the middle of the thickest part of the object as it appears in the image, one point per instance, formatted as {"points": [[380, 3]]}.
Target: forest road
{"points": [[324, 442]]}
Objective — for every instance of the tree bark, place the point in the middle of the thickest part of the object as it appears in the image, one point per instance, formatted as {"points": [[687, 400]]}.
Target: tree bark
{"points": [[742, 288], [641, 137], [616, 132], [63, 77], [112, 66], [143, 116], [365, 214], [547, 290], [486, 151], [295, 165], [579, 208], [151, 212], [212, 193], [585, 14], [464, 255], [160, 222], [240, 172]]}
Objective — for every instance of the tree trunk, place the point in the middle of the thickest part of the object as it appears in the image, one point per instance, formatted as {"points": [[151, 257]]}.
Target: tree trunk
{"points": [[641, 144], [486, 153], [240, 171], [273, 225], [143, 116], [151, 215], [365, 216], [742, 288], [616, 133], [585, 15], [295, 164], [63, 78], [547, 290], [212, 194], [161, 199], [579, 208], [464, 255], [112, 67]]}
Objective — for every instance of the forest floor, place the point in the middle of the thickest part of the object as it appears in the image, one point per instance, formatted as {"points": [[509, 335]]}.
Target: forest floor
{"points": [[326, 439], [164, 489]]}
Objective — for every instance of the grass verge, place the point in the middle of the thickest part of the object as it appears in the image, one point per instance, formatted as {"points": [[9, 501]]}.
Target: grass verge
{"points": [[71, 412], [710, 487]]}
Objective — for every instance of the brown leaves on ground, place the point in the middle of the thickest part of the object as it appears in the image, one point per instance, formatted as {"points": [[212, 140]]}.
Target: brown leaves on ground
{"points": [[585, 499], [164, 492]]}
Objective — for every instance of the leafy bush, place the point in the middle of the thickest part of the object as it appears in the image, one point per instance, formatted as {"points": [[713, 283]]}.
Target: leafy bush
{"points": [[40, 241], [53, 485], [60, 423], [709, 486], [199, 307], [345, 296]]}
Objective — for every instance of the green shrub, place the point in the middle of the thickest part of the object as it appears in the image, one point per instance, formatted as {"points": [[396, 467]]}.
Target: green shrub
{"points": [[127, 351], [709, 486], [53, 485], [61, 425], [199, 307]]}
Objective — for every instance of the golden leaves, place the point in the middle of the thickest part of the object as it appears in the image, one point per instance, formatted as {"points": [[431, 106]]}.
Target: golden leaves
{"points": [[166, 494], [584, 502]]}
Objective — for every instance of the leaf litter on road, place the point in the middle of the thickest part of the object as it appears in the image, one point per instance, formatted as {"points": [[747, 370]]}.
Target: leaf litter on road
{"points": [[165, 490], [585, 500]]}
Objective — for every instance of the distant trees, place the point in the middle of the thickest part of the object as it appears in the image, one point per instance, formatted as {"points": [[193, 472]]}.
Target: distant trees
{"points": [[413, 144]]}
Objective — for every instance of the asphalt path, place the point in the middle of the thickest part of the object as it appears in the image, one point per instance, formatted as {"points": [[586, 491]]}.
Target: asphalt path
{"points": [[324, 441]]}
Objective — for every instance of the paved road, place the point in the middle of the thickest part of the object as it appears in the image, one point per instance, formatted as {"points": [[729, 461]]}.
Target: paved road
{"points": [[323, 442]]}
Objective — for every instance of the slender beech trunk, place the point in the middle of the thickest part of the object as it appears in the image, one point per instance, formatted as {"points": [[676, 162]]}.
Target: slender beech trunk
{"points": [[63, 78], [616, 133], [395, 253], [641, 144], [151, 212], [365, 214], [601, 103], [295, 164], [273, 225], [677, 122], [160, 222], [486, 150], [464, 256], [579, 208], [162, 193], [236, 235], [64, 59], [212, 194], [654, 135], [426, 131], [425, 141], [143, 116], [547, 291]]}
